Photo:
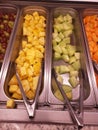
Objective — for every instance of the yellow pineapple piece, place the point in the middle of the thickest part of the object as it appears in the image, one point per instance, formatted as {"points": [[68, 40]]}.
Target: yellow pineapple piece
{"points": [[34, 83], [42, 34], [17, 96], [25, 85], [40, 48], [13, 88], [37, 67], [13, 81], [30, 94], [30, 57], [23, 72], [24, 43], [42, 40], [30, 37], [30, 71], [20, 60], [10, 103], [28, 17], [29, 45], [18, 91], [42, 18], [38, 54]]}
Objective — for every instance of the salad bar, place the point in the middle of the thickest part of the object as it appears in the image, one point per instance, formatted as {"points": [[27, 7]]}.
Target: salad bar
{"points": [[48, 62]]}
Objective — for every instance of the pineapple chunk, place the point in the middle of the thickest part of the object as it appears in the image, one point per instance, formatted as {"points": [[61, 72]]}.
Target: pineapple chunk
{"points": [[17, 96], [30, 94], [35, 82], [25, 85], [10, 103], [23, 72], [30, 56], [24, 43], [13, 81], [13, 88], [37, 68], [38, 54], [28, 17]]}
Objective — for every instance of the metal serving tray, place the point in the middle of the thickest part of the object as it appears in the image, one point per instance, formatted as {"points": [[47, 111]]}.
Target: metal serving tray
{"points": [[17, 47], [49, 109], [64, 11], [8, 8], [75, 40], [84, 13]]}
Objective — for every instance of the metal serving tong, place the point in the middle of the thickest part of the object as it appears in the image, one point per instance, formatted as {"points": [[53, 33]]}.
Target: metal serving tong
{"points": [[30, 107], [77, 120]]}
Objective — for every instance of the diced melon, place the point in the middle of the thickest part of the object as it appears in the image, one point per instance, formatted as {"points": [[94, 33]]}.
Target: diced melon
{"points": [[70, 68], [67, 89], [57, 48], [71, 50], [65, 57], [73, 73], [67, 33], [68, 18], [72, 59], [61, 36], [54, 35], [60, 79], [73, 81], [76, 65], [57, 56], [64, 51], [59, 19], [66, 40], [77, 55], [54, 42], [64, 69], [57, 69]]}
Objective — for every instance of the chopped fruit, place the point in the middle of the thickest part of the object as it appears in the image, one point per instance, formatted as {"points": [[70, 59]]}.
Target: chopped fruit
{"points": [[6, 25], [10, 103], [30, 56]]}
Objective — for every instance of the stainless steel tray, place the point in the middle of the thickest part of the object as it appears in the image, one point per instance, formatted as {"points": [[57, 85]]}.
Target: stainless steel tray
{"points": [[17, 43], [8, 8], [75, 41], [84, 13]]}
